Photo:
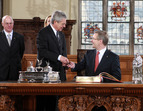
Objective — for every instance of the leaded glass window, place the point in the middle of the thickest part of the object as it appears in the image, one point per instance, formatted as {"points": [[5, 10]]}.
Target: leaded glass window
{"points": [[124, 36], [138, 25], [118, 27], [91, 20]]}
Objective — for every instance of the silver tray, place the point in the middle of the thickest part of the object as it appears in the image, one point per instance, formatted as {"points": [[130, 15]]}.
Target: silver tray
{"points": [[31, 76]]}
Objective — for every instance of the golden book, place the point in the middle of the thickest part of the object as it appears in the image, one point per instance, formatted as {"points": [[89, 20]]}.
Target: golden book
{"points": [[102, 77]]}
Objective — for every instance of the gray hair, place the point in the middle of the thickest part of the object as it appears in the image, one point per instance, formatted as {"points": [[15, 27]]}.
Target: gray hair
{"points": [[58, 16], [4, 17], [102, 35]]}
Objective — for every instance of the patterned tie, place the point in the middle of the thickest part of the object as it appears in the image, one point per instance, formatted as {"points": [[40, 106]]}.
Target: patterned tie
{"points": [[96, 60], [57, 35], [9, 39]]}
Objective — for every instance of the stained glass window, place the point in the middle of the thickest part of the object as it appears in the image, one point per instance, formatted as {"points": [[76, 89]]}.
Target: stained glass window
{"points": [[118, 27], [119, 38], [138, 27], [118, 11], [124, 32], [91, 20]]}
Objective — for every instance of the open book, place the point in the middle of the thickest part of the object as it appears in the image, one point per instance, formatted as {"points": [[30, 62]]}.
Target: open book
{"points": [[102, 77]]}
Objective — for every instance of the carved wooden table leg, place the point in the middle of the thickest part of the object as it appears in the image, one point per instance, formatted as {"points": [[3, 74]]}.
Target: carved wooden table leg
{"points": [[7, 103], [87, 103]]}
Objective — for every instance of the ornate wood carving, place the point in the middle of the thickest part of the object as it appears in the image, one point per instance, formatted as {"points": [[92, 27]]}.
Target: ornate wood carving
{"points": [[78, 97], [7, 103], [30, 28], [84, 103], [87, 103]]}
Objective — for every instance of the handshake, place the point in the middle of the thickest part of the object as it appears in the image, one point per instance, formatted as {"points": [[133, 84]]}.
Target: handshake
{"points": [[66, 62]]}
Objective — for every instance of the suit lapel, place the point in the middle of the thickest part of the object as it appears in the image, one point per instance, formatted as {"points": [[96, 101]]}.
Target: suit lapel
{"points": [[13, 39], [4, 39], [54, 37], [93, 59]]}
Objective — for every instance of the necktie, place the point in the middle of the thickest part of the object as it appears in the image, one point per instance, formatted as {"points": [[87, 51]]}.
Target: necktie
{"points": [[57, 35], [9, 39], [96, 60]]}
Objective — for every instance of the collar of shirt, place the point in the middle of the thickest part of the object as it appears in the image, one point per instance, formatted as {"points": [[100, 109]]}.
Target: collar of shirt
{"points": [[101, 53], [11, 33], [53, 29]]}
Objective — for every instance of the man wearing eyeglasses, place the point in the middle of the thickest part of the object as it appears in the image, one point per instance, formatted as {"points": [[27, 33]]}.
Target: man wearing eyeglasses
{"points": [[107, 61], [99, 60], [11, 50]]}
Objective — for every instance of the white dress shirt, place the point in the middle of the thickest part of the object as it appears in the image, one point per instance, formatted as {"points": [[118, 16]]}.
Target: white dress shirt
{"points": [[6, 33], [101, 53]]}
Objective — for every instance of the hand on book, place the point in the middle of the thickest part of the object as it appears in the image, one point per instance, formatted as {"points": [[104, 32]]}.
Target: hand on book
{"points": [[71, 64]]}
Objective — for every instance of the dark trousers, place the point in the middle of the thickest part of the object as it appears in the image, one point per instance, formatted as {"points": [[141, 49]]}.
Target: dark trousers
{"points": [[46, 103]]}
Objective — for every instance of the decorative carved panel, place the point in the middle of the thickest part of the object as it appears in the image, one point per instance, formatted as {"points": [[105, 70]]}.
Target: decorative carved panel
{"points": [[7, 103], [73, 96], [87, 103], [83, 103]]}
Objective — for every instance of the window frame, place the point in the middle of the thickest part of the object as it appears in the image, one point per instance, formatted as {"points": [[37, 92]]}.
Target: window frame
{"points": [[105, 23]]}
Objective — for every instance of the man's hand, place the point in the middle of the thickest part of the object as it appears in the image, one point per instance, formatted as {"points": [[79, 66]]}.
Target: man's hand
{"points": [[71, 64], [63, 64], [64, 60]]}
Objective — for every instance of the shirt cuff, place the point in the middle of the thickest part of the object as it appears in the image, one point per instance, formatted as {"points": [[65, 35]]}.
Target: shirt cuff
{"points": [[59, 57]]}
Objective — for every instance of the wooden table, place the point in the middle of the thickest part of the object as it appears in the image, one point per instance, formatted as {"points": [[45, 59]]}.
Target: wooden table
{"points": [[76, 96]]}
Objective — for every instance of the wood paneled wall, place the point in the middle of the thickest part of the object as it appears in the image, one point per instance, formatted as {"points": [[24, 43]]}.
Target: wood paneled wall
{"points": [[125, 64], [126, 67], [30, 28]]}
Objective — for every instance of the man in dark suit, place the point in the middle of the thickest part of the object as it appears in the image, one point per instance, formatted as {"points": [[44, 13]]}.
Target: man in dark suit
{"points": [[108, 61], [51, 44], [11, 50], [51, 47]]}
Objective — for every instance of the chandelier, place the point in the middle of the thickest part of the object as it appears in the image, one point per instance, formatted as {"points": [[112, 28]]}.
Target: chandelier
{"points": [[118, 11]]}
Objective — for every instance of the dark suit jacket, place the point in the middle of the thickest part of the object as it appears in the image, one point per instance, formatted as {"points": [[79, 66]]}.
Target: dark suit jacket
{"points": [[10, 56], [49, 49], [109, 63]]}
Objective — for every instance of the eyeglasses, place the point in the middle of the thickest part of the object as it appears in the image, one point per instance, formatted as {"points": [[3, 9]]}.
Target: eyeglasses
{"points": [[94, 39]]}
